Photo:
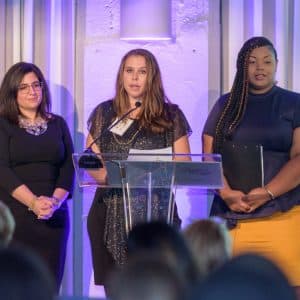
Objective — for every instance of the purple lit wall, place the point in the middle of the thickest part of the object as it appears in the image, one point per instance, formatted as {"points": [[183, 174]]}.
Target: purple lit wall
{"points": [[155, 25]]}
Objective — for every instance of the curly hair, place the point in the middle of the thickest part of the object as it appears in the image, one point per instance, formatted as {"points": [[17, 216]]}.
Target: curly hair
{"points": [[236, 103]]}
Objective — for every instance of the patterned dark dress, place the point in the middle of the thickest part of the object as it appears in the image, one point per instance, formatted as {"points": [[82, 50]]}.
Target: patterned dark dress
{"points": [[106, 217], [43, 163]]}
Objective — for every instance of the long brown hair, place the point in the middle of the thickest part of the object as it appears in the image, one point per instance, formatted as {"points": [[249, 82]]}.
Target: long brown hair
{"points": [[236, 104], [9, 89], [154, 113]]}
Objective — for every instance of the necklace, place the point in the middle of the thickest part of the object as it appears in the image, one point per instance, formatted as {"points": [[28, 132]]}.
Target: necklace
{"points": [[36, 127], [129, 141]]}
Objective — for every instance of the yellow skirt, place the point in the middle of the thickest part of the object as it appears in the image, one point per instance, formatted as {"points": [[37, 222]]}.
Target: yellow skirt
{"points": [[276, 237]]}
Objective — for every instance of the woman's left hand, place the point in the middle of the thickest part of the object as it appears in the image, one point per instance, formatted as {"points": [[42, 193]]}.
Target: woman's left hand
{"points": [[256, 198], [50, 213]]}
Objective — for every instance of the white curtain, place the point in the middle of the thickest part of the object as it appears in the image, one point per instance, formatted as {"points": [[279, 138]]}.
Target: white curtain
{"points": [[278, 20], [42, 32]]}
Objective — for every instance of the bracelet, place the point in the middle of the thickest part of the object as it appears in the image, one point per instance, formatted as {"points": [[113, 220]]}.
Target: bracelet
{"points": [[271, 195], [32, 203]]}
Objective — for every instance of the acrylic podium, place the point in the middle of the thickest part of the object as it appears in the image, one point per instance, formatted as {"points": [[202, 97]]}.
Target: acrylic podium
{"points": [[148, 181]]}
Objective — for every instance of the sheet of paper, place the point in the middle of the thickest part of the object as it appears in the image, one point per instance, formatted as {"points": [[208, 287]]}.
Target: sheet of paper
{"points": [[151, 155]]}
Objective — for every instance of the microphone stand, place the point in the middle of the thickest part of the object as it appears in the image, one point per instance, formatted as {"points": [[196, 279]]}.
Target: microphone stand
{"points": [[91, 161]]}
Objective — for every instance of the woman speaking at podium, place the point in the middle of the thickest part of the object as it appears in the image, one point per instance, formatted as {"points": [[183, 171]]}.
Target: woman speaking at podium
{"points": [[154, 123], [36, 167]]}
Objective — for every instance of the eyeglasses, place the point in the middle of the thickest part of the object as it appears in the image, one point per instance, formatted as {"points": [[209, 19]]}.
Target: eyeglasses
{"points": [[25, 88]]}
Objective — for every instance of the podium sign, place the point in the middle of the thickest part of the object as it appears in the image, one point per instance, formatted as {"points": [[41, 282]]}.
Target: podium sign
{"points": [[148, 181]]}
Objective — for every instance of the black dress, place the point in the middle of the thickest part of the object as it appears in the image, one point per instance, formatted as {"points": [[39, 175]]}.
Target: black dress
{"points": [[43, 163], [106, 217]]}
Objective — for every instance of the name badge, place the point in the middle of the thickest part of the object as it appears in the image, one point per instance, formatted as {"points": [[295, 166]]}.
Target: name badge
{"points": [[121, 127]]}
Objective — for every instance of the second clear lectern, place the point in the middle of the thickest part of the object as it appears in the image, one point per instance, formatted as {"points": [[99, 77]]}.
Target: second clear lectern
{"points": [[148, 181]]}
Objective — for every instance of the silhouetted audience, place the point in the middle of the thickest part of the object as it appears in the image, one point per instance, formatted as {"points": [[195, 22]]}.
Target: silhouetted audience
{"points": [[146, 277], [24, 276], [7, 225], [245, 277], [210, 244], [159, 238]]}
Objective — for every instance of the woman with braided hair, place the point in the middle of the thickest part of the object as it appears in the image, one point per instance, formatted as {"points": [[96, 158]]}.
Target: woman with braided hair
{"points": [[265, 218]]}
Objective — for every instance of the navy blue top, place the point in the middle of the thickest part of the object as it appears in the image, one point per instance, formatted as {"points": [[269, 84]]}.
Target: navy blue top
{"points": [[269, 120]]}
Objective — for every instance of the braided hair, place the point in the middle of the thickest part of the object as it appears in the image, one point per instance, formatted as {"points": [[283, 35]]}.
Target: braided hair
{"points": [[236, 103]]}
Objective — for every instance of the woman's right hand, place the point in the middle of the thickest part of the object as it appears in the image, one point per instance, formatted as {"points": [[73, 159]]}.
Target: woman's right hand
{"points": [[42, 208], [234, 200]]}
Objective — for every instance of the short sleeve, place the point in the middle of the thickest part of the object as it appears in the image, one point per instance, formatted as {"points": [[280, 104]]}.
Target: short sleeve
{"points": [[181, 125], [214, 115], [95, 121], [296, 119]]}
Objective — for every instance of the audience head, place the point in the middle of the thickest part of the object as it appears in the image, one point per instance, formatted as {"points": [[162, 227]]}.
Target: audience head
{"points": [[24, 276], [146, 277], [254, 49], [245, 277], [159, 238], [210, 243], [17, 83], [7, 225]]}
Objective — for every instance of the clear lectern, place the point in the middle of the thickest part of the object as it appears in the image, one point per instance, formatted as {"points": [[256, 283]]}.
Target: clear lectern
{"points": [[148, 181]]}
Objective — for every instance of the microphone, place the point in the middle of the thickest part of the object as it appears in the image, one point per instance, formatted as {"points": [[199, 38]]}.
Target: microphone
{"points": [[91, 161]]}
